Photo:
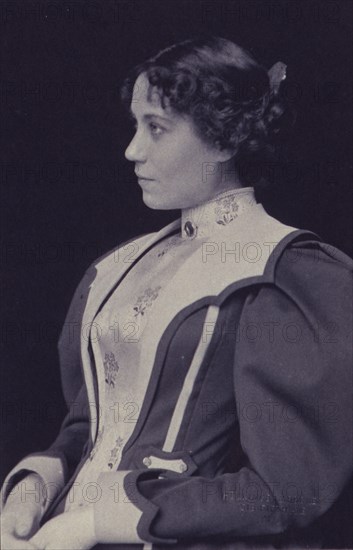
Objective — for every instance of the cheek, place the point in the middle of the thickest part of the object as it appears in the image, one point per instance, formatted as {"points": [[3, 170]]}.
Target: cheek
{"points": [[179, 162]]}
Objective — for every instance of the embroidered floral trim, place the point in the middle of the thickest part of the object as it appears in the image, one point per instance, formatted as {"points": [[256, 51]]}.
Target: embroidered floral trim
{"points": [[97, 443], [111, 368], [226, 210], [173, 242], [115, 452], [146, 300]]}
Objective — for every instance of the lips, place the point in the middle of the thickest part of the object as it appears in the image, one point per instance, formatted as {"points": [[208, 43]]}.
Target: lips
{"points": [[143, 178]]}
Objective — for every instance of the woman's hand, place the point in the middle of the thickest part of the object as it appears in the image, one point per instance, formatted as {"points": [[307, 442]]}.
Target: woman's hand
{"points": [[68, 531], [11, 542], [20, 516]]}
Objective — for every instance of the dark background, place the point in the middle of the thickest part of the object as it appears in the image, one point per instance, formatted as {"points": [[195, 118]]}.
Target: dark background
{"points": [[67, 193]]}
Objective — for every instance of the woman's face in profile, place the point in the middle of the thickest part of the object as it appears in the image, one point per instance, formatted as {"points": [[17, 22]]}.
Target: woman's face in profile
{"points": [[175, 168]]}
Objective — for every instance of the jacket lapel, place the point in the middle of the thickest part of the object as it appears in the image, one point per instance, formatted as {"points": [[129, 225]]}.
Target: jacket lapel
{"points": [[109, 272]]}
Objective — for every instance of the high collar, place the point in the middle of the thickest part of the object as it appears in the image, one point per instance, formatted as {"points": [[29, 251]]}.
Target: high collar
{"points": [[202, 220]]}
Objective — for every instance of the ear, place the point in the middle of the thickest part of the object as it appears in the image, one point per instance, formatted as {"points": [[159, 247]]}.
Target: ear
{"points": [[223, 155]]}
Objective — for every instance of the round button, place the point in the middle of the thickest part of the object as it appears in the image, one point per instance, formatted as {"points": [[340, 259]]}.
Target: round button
{"points": [[147, 461], [183, 467], [190, 229]]}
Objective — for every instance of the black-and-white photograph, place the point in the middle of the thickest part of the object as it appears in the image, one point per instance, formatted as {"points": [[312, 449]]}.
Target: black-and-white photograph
{"points": [[176, 261]]}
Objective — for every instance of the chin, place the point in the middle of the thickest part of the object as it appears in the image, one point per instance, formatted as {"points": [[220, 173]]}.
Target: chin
{"points": [[155, 203]]}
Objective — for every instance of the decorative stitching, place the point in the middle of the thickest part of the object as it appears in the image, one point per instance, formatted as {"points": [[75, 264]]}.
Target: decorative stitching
{"points": [[111, 368], [173, 242], [226, 210], [146, 300], [115, 452]]}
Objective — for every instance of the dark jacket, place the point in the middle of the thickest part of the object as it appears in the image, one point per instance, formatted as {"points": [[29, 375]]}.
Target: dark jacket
{"points": [[245, 435]]}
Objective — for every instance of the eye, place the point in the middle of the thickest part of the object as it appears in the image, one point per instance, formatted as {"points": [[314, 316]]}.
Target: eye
{"points": [[155, 129]]}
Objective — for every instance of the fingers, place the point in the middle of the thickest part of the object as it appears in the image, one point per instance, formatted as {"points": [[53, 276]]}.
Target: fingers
{"points": [[42, 538], [45, 542], [25, 528], [9, 542], [66, 532], [22, 520], [28, 523], [53, 536]]}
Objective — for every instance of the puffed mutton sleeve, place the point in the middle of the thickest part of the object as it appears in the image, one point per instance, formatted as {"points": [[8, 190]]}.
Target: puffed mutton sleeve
{"points": [[292, 388]]}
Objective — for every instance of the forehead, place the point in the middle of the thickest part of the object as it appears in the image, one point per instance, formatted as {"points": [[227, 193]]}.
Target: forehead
{"points": [[148, 98]]}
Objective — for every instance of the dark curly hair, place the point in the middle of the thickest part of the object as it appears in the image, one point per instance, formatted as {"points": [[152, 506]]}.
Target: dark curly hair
{"points": [[223, 89]]}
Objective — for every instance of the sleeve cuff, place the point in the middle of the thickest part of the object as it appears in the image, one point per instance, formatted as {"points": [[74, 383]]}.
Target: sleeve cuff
{"points": [[52, 470], [123, 514]]}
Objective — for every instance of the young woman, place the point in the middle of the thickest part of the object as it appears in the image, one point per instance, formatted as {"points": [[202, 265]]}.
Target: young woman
{"points": [[205, 366]]}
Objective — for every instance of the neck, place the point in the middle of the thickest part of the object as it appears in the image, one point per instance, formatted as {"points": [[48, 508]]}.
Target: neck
{"points": [[229, 177]]}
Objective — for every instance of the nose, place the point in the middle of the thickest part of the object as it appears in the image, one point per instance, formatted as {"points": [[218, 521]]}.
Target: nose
{"points": [[135, 151]]}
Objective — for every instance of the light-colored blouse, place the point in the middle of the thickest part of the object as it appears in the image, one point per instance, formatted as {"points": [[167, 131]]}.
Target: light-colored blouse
{"points": [[118, 329]]}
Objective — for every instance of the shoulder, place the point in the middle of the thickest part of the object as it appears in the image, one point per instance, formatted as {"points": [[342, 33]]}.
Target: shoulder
{"points": [[314, 270], [310, 293], [305, 279], [103, 264]]}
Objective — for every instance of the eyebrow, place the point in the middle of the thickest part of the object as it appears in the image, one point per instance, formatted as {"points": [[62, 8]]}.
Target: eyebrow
{"points": [[148, 116]]}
